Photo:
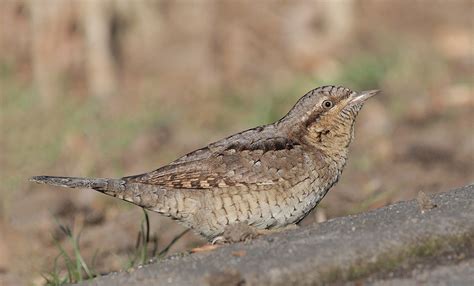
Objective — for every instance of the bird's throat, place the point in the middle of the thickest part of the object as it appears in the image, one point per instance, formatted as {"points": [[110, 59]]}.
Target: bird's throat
{"points": [[332, 140]]}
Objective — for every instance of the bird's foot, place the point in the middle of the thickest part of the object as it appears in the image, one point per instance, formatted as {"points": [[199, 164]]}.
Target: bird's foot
{"points": [[237, 233], [244, 232]]}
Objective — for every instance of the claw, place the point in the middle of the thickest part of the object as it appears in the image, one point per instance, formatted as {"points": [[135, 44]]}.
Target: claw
{"points": [[219, 240]]}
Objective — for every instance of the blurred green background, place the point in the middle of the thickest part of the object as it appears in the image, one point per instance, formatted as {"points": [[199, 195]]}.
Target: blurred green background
{"points": [[119, 87]]}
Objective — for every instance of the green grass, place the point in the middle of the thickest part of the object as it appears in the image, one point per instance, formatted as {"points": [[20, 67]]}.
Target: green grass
{"points": [[142, 252], [76, 267]]}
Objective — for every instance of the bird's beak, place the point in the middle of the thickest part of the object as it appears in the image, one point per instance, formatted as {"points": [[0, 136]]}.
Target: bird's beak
{"points": [[360, 97]]}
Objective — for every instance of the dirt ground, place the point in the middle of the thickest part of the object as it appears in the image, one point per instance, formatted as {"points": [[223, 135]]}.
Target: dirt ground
{"points": [[179, 88]]}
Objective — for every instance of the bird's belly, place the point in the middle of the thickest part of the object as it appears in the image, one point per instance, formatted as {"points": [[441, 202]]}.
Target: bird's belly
{"points": [[263, 208], [300, 201]]}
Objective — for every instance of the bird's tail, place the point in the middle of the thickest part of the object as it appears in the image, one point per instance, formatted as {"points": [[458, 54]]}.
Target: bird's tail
{"points": [[98, 184], [147, 196]]}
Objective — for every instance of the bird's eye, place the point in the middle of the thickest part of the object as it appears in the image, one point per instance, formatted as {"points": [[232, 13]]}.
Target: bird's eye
{"points": [[327, 104]]}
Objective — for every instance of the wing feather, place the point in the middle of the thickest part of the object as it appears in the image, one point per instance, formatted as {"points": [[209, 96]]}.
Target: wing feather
{"points": [[262, 161]]}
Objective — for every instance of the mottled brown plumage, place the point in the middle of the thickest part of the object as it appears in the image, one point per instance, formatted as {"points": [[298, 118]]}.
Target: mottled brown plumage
{"points": [[267, 177]]}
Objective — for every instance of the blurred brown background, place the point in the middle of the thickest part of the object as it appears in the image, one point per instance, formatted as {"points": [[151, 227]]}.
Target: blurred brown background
{"points": [[118, 87]]}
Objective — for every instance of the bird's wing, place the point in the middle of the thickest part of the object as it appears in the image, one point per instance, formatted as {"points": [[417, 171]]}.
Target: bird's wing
{"points": [[260, 161]]}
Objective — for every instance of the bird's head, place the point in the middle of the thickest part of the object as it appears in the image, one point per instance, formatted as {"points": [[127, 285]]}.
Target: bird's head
{"points": [[325, 116]]}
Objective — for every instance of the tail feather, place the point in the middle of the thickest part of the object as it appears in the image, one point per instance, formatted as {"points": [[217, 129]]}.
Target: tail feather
{"points": [[98, 184], [144, 195]]}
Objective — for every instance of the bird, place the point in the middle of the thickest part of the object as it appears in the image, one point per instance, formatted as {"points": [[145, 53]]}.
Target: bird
{"points": [[267, 178]]}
